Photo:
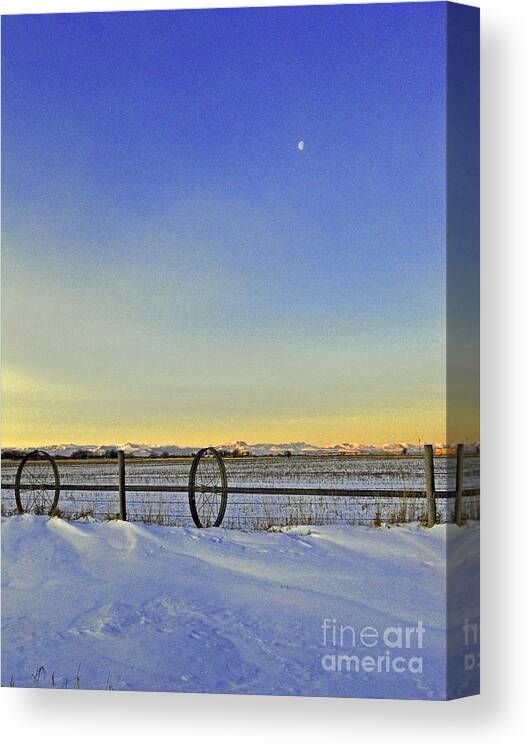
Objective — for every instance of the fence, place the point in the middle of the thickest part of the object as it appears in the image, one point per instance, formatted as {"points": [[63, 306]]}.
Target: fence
{"points": [[38, 488]]}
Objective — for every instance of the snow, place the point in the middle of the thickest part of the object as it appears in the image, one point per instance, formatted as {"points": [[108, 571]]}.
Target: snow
{"points": [[134, 607]]}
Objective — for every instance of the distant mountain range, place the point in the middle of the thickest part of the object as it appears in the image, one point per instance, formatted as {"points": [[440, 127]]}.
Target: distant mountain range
{"points": [[238, 447]]}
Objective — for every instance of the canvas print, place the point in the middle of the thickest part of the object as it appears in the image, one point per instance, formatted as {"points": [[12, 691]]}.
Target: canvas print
{"points": [[240, 324]]}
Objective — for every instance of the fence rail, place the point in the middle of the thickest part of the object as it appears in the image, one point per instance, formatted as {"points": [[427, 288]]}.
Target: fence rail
{"points": [[237, 490]]}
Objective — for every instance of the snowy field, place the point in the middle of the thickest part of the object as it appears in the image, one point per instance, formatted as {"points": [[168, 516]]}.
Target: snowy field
{"points": [[252, 512], [322, 610]]}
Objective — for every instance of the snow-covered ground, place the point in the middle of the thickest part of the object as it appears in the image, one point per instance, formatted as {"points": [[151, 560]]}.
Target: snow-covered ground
{"points": [[250, 512], [326, 610]]}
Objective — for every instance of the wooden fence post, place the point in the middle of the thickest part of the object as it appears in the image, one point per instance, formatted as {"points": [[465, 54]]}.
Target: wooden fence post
{"points": [[459, 484], [121, 482], [429, 476]]}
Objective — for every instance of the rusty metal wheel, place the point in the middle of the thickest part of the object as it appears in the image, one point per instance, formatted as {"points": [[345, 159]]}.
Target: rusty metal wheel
{"points": [[208, 488], [37, 484]]}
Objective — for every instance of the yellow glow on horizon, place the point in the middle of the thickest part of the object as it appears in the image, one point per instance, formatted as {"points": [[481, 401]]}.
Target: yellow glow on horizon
{"points": [[45, 411], [23, 427]]}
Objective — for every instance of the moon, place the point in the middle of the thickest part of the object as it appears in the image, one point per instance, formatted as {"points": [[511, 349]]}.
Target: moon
{"points": [[301, 145]]}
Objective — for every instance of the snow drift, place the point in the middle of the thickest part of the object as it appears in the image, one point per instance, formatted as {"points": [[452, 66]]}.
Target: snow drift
{"points": [[134, 607]]}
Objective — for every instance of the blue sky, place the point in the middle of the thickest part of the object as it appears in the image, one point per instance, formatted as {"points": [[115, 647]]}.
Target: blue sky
{"points": [[176, 269]]}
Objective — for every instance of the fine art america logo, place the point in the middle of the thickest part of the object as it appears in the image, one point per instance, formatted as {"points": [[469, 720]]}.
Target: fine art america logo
{"points": [[471, 640], [395, 649]]}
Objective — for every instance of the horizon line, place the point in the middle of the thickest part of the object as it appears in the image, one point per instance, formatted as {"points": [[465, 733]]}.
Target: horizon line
{"points": [[117, 444]]}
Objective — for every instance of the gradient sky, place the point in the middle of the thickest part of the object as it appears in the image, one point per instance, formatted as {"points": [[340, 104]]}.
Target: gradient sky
{"points": [[176, 270]]}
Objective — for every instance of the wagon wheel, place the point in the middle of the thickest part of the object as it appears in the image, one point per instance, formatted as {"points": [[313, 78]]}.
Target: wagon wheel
{"points": [[37, 484], [208, 488]]}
